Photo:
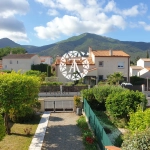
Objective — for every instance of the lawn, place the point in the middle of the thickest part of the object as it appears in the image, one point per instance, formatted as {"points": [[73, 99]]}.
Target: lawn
{"points": [[19, 140]]}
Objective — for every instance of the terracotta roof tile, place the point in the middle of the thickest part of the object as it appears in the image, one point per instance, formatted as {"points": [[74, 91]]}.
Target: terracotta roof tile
{"points": [[145, 59], [19, 56], [69, 62], [148, 68], [106, 53], [136, 67]]}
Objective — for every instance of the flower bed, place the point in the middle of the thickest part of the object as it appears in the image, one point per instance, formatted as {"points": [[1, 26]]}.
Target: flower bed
{"points": [[89, 140]]}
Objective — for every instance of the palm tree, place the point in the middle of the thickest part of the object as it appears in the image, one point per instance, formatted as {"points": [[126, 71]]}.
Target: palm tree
{"points": [[115, 78]]}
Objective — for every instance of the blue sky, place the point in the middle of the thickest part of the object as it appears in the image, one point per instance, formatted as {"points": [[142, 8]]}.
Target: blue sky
{"points": [[43, 22]]}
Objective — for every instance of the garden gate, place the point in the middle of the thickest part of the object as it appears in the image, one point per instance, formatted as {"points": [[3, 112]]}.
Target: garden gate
{"points": [[60, 105]]}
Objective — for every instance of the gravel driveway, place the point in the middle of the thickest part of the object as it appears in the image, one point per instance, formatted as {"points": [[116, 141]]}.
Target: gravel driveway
{"points": [[62, 133]]}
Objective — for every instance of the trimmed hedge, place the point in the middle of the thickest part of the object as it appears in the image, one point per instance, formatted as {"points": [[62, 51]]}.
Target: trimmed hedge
{"points": [[2, 128]]}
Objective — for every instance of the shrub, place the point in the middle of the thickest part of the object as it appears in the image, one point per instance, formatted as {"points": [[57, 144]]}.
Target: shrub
{"points": [[137, 141], [101, 92], [77, 100], [120, 104], [24, 114], [139, 120], [2, 128]]}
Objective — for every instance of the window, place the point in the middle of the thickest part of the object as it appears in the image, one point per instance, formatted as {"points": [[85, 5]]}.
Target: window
{"points": [[101, 63], [100, 77], [17, 61], [121, 65], [5, 66], [10, 61]]}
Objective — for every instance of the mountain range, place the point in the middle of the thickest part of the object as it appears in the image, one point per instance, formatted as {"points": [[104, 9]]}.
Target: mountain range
{"points": [[82, 43]]}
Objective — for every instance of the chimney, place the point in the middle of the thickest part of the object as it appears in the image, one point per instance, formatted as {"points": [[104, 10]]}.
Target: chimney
{"points": [[90, 50], [110, 52]]}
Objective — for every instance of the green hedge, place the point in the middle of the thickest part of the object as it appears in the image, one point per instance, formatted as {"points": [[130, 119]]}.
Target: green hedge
{"points": [[2, 128]]}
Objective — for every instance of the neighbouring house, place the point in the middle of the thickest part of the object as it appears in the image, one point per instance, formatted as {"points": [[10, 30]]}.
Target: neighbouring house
{"points": [[101, 64], [142, 69], [46, 60], [21, 62]]}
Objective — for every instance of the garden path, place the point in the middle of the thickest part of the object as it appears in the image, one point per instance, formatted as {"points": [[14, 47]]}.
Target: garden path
{"points": [[62, 133]]}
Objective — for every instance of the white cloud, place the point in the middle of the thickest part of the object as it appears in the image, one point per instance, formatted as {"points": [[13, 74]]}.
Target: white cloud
{"points": [[85, 16], [10, 27], [12, 7], [133, 11], [144, 25], [15, 36], [52, 12]]}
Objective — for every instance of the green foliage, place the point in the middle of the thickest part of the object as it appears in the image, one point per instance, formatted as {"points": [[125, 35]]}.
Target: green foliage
{"points": [[17, 90], [36, 73], [77, 100], [101, 92], [7, 50], [115, 78], [135, 80], [88, 94], [139, 120], [120, 104], [137, 141], [88, 138], [22, 115], [51, 83], [40, 67], [2, 128], [48, 71]]}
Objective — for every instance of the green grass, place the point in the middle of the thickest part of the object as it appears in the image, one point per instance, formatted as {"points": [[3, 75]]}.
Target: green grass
{"points": [[19, 140]]}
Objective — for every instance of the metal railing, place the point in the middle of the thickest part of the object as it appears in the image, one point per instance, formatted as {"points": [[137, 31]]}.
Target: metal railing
{"points": [[103, 139]]}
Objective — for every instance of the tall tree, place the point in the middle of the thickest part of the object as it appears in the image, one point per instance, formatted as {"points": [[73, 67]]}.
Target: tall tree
{"points": [[147, 54], [17, 90]]}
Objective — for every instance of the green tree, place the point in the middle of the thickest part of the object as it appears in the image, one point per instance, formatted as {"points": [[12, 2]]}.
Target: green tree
{"points": [[147, 54], [115, 78], [48, 71], [7, 50], [17, 90], [121, 104]]}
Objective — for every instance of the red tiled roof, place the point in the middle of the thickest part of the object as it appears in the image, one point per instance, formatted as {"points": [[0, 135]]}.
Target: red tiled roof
{"points": [[136, 67], [19, 56], [106, 53], [69, 62], [145, 59]]}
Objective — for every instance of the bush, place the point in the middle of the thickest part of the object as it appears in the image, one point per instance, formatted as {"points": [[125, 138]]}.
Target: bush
{"points": [[137, 80], [137, 141], [77, 100], [139, 120], [101, 92], [2, 128], [120, 104]]}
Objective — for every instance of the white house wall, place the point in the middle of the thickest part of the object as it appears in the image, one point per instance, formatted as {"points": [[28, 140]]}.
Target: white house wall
{"points": [[20, 64], [140, 62], [63, 79], [111, 65]]}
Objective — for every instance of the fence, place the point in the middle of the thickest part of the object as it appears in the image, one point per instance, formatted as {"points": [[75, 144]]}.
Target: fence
{"points": [[56, 88], [98, 130]]}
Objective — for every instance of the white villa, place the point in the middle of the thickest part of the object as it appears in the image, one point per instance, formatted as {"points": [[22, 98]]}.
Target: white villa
{"points": [[142, 69], [20, 61], [101, 64]]}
